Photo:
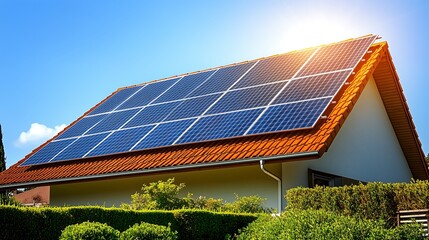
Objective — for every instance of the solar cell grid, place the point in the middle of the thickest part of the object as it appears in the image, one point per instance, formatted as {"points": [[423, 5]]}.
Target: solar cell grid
{"points": [[185, 86], [192, 107], [120, 141], [81, 126], [148, 93], [80, 147], [113, 121], [47, 152], [220, 126], [223, 79], [275, 69], [237, 100], [152, 114], [312, 87], [290, 116], [246, 98], [337, 56], [115, 100], [164, 134]]}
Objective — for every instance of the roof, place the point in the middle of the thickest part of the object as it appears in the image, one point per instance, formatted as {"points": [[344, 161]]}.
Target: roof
{"points": [[275, 147], [33, 196]]}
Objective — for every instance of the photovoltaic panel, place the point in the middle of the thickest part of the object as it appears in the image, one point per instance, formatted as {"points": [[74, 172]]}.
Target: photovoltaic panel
{"points": [[279, 93], [115, 100], [220, 126], [152, 114], [164, 134], [185, 86], [148, 93], [81, 126], [313, 87], [192, 107], [337, 56], [113, 121], [45, 154], [290, 116], [222, 79], [120, 141], [246, 98], [275, 69], [80, 147]]}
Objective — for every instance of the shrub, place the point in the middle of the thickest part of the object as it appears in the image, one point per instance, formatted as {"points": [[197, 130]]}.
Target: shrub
{"points": [[247, 204], [370, 201], [320, 224], [89, 231], [148, 231]]}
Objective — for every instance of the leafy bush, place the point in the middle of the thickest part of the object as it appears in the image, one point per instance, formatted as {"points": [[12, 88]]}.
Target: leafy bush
{"points": [[89, 231], [247, 204], [320, 224], [47, 223], [163, 195], [148, 231], [370, 201]]}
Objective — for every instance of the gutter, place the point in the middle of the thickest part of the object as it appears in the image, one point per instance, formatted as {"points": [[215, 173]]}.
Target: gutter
{"points": [[279, 185], [312, 154]]}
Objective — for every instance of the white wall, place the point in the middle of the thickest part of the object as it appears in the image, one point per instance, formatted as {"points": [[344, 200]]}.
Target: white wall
{"points": [[216, 183], [365, 149]]}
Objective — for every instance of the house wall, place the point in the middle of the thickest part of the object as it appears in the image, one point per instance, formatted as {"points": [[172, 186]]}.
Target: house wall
{"points": [[216, 183], [365, 149]]}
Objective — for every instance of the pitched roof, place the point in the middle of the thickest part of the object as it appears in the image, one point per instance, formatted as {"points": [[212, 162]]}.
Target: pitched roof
{"points": [[282, 146]]}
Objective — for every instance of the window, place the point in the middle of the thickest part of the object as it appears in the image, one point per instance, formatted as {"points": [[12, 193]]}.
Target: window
{"points": [[316, 178]]}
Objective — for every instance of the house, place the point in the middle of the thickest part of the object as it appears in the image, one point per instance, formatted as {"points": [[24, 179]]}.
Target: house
{"points": [[365, 134], [38, 196]]}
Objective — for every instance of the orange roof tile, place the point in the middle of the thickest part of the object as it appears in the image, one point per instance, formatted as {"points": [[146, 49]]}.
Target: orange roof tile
{"points": [[293, 145]]}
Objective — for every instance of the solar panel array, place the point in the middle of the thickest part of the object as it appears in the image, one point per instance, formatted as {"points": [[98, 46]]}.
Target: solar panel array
{"points": [[279, 93]]}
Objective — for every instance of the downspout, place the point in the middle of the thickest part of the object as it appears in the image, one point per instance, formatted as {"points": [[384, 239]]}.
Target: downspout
{"points": [[279, 185]]}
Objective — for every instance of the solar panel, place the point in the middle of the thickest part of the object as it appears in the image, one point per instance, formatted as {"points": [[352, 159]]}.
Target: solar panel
{"points": [[246, 98], [279, 93]]}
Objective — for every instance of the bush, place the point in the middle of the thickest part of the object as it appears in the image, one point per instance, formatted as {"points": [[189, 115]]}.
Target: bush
{"points": [[320, 224], [89, 231], [148, 231], [247, 204], [370, 201], [47, 223]]}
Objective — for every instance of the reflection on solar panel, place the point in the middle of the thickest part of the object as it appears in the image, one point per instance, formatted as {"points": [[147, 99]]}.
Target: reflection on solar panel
{"points": [[279, 93]]}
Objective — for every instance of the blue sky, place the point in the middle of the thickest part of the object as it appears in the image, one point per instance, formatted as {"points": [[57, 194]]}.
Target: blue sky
{"points": [[60, 58]]}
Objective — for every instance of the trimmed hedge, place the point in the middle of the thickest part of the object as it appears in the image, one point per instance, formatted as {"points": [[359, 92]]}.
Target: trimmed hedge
{"points": [[89, 231], [369, 201], [321, 224], [47, 223], [148, 231]]}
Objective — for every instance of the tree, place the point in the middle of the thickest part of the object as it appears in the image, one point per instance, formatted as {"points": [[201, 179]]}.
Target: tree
{"points": [[2, 155], [427, 159]]}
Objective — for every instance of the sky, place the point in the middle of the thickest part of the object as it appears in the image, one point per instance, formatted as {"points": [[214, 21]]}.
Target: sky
{"points": [[60, 58]]}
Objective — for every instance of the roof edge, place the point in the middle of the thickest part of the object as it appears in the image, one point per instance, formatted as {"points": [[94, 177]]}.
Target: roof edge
{"points": [[309, 155]]}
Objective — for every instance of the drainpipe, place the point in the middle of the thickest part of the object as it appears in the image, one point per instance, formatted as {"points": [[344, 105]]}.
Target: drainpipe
{"points": [[279, 185]]}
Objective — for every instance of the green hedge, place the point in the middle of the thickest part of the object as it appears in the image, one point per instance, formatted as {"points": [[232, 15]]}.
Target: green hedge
{"points": [[321, 224], [369, 201], [47, 223]]}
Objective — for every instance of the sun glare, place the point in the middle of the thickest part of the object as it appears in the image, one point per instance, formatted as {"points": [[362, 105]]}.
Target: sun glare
{"points": [[317, 31]]}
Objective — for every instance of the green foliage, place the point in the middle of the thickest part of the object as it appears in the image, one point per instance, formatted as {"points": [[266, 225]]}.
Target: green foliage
{"points": [[2, 153], [89, 231], [320, 224], [148, 231], [47, 223], [163, 195], [158, 195], [370, 201], [199, 224], [247, 204]]}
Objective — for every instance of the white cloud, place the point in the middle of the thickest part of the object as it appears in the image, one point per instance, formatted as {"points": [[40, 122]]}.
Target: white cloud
{"points": [[37, 134]]}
